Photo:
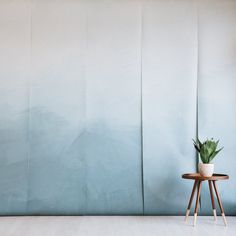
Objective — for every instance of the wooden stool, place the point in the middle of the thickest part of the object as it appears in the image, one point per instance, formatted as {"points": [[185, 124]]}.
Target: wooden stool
{"points": [[197, 184]]}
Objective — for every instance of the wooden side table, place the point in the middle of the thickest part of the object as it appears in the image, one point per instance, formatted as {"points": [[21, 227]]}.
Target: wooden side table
{"points": [[197, 184]]}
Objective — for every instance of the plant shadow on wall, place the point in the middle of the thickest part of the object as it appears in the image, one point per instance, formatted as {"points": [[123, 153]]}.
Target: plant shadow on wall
{"points": [[95, 170]]}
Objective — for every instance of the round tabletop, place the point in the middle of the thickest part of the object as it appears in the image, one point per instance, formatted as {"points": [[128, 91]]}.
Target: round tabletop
{"points": [[197, 176]]}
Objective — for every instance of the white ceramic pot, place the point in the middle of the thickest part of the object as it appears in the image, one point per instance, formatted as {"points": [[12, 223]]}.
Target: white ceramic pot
{"points": [[206, 170]]}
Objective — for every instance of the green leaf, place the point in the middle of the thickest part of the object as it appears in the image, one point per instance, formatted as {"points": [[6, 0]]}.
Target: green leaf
{"points": [[199, 142], [214, 154], [196, 145]]}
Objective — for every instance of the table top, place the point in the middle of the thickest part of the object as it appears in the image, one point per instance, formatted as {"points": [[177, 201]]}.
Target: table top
{"points": [[197, 176]]}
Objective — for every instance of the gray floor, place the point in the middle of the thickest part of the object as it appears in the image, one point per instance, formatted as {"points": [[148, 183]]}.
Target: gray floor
{"points": [[114, 225]]}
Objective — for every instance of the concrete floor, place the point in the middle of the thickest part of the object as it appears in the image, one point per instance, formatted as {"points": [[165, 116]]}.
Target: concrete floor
{"points": [[114, 225]]}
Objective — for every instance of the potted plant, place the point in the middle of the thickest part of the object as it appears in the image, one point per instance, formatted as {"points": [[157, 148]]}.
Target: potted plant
{"points": [[207, 151]]}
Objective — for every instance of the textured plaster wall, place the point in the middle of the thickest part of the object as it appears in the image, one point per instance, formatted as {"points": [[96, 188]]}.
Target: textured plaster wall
{"points": [[99, 101]]}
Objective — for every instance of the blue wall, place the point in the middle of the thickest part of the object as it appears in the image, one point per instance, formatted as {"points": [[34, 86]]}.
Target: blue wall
{"points": [[98, 103], [217, 97], [169, 103]]}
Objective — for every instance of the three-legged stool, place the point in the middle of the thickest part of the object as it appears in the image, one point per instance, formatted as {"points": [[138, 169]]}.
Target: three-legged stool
{"points": [[197, 184]]}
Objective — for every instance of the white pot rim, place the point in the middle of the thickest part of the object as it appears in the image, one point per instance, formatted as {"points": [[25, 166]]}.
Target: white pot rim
{"points": [[206, 163]]}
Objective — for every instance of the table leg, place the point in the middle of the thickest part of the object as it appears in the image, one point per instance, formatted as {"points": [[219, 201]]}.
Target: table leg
{"points": [[220, 203], [197, 201], [212, 199], [190, 200]]}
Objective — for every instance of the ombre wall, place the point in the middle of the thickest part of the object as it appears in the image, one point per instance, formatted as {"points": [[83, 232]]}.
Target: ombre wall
{"points": [[100, 100]]}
